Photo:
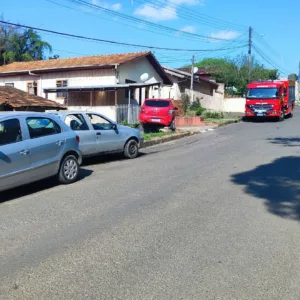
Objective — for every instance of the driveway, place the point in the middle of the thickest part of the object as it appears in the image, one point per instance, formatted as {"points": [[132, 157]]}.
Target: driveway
{"points": [[212, 216]]}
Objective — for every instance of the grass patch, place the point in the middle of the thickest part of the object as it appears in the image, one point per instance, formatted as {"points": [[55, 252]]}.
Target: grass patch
{"points": [[153, 135], [221, 121]]}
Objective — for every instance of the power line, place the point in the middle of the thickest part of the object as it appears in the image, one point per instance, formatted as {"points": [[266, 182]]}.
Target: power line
{"points": [[264, 43], [154, 30], [110, 41], [266, 59], [190, 14], [140, 21]]}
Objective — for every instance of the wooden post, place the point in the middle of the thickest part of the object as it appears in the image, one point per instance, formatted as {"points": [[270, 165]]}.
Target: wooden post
{"points": [[140, 96], [116, 97], [91, 98]]}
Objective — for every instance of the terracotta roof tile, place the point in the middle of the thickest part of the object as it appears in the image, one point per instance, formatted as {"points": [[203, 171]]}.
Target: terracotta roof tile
{"points": [[109, 59], [17, 99]]}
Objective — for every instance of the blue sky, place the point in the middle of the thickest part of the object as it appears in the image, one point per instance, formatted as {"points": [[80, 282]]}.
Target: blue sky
{"points": [[275, 27]]}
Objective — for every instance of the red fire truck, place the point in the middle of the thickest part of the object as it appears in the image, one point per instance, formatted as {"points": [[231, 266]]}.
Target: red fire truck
{"points": [[270, 99]]}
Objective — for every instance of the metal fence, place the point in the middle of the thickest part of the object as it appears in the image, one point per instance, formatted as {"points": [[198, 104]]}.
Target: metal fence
{"points": [[123, 115]]}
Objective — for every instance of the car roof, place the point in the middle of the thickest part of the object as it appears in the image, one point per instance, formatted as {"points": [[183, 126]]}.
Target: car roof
{"points": [[155, 99], [4, 114]]}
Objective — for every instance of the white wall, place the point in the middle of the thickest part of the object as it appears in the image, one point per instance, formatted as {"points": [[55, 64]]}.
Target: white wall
{"points": [[236, 105], [75, 78], [108, 111], [133, 71]]}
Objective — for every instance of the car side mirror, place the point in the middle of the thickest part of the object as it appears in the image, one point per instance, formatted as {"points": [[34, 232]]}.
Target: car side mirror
{"points": [[114, 126]]}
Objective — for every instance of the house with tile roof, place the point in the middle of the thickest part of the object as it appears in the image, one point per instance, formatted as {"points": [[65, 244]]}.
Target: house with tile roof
{"points": [[15, 99], [209, 93], [100, 83]]}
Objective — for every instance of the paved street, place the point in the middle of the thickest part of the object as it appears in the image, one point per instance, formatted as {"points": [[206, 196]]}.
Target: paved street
{"points": [[213, 216]]}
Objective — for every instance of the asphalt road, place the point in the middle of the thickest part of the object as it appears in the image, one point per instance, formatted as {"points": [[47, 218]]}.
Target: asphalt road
{"points": [[213, 216]]}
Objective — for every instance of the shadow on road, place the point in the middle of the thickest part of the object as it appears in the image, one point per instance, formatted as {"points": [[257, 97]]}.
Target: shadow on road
{"points": [[289, 142], [104, 159], [277, 183], [36, 187]]}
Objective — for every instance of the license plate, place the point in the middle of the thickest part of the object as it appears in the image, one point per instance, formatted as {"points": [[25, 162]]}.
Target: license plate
{"points": [[156, 120], [260, 114]]}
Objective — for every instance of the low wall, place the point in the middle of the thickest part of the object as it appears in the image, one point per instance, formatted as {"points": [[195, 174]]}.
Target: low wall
{"points": [[235, 105], [108, 111]]}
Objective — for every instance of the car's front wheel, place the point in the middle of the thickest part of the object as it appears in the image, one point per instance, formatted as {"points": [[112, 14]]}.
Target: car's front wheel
{"points": [[69, 170], [131, 149]]}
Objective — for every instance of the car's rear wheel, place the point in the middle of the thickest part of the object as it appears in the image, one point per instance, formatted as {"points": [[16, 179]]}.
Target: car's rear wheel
{"points": [[69, 170], [172, 125], [131, 149]]}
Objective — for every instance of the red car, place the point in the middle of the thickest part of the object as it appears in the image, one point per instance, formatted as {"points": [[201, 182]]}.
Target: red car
{"points": [[159, 112]]}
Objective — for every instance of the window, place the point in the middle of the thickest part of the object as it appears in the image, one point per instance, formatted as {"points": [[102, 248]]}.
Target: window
{"points": [[10, 84], [39, 127], [76, 122], [262, 93], [60, 84], [10, 132], [99, 123], [157, 103], [32, 88]]}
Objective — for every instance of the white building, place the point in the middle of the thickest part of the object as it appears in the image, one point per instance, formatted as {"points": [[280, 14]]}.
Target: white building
{"points": [[100, 83], [204, 89]]}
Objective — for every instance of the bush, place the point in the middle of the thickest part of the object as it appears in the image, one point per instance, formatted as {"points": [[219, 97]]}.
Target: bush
{"points": [[134, 125], [209, 114], [200, 111], [195, 105], [185, 103]]}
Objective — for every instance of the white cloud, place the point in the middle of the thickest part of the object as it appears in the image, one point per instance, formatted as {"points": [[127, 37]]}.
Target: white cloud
{"points": [[116, 6], [156, 14], [225, 34], [188, 2], [188, 28], [165, 13]]}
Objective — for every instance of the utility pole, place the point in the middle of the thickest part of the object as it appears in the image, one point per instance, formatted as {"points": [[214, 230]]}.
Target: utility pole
{"points": [[192, 79], [250, 54]]}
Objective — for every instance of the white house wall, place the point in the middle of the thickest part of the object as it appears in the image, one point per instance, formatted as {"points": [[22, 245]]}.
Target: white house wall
{"points": [[75, 78], [133, 71]]}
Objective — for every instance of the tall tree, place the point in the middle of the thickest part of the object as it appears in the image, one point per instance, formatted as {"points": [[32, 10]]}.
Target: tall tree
{"points": [[234, 72], [21, 45]]}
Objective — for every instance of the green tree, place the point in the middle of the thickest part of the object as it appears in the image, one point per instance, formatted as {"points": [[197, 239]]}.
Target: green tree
{"points": [[234, 72], [21, 45]]}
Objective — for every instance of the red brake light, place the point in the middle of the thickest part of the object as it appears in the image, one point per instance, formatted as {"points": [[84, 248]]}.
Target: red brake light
{"points": [[77, 139]]}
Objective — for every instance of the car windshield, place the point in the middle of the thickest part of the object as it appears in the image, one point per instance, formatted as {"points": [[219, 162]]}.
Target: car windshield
{"points": [[262, 93], [157, 103]]}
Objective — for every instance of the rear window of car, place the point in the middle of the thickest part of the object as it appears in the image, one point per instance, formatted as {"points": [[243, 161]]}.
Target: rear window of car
{"points": [[157, 103]]}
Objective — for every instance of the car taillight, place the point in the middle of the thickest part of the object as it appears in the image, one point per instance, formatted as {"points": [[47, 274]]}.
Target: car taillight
{"points": [[171, 111], [77, 139]]}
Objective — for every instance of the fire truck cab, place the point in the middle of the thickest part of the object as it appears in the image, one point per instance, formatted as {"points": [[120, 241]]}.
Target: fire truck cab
{"points": [[274, 99]]}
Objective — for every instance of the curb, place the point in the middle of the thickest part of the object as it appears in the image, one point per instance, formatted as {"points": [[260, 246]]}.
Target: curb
{"points": [[229, 122], [165, 139]]}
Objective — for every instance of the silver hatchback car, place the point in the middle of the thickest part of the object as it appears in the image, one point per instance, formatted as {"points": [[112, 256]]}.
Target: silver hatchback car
{"points": [[35, 146], [99, 135]]}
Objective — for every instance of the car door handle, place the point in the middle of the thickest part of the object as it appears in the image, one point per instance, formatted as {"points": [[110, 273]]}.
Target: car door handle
{"points": [[59, 143], [24, 152], [98, 133]]}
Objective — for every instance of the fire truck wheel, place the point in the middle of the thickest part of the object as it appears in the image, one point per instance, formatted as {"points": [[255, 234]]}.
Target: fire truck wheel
{"points": [[281, 118]]}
